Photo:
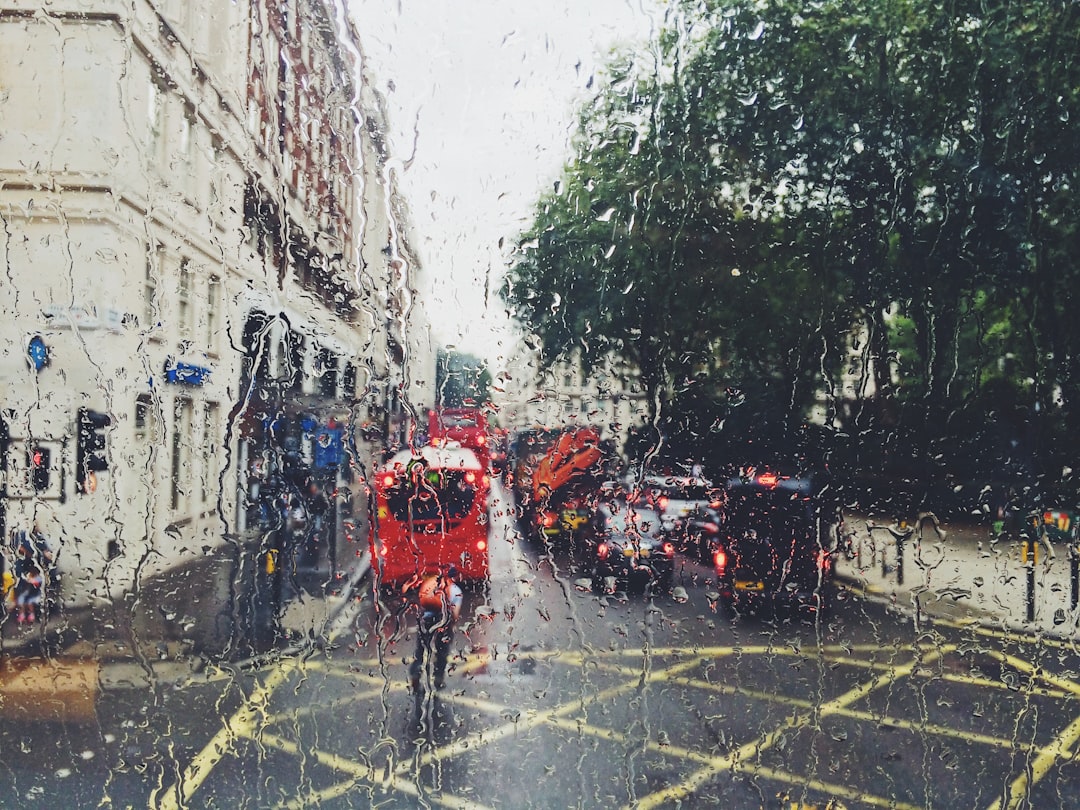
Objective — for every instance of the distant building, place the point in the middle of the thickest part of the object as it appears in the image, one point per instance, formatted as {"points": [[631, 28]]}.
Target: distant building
{"points": [[203, 257], [609, 398]]}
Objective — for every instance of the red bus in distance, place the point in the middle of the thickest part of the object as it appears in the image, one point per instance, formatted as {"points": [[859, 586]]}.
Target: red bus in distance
{"points": [[467, 426], [431, 513]]}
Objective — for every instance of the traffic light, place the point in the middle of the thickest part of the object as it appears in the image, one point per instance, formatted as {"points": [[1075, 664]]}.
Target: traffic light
{"points": [[37, 461], [90, 447]]}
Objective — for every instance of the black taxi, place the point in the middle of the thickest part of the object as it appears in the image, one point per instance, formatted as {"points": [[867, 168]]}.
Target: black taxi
{"points": [[775, 542]]}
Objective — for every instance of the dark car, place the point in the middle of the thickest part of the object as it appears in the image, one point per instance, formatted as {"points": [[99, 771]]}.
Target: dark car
{"points": [[630, 550], [775, 543], [700, 534]]}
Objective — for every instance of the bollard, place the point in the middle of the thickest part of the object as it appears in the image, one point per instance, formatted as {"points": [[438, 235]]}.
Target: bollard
{"points": [[901, 532], [1074, 574], [1029, 553]]}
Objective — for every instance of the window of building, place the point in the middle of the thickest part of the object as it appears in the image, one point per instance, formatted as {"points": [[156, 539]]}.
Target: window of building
{"points": [[145, 420], [180, 455], [209, 444], [185, 310], [154, 257], [214, 292]]}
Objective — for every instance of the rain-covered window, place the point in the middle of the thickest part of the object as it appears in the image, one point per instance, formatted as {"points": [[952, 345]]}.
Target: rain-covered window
{"points": [[581, 404]]}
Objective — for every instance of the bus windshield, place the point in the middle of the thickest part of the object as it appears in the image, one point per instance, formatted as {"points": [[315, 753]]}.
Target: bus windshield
{"points": [[439, 495]]}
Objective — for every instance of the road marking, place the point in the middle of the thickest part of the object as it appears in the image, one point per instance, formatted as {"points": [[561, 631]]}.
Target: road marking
{"points": [[519, 724], [362, 774], [753, 749], [310, 709], [240, 725], [250, 719], [1048, 756]]}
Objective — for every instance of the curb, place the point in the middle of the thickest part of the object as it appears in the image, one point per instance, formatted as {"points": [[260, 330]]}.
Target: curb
{"points": [[976, 617], [311, 641]]}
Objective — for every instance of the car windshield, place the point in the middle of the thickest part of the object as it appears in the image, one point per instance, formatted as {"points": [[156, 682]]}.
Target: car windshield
{"points": [[632, 521], [689, 493], [679, 262]]}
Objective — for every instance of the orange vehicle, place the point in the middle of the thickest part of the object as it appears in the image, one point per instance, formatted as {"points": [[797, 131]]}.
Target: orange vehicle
{"points": [[564, 483], [467, 426], [431, 513]]}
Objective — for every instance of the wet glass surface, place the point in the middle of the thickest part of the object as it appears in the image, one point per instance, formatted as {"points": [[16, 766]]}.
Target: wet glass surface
{"points": [[580, 405]]}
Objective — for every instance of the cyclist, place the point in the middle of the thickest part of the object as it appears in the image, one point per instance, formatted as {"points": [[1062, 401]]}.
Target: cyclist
{"points": [[440, 601]]}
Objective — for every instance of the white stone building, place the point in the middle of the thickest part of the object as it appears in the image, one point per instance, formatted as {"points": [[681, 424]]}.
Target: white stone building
{"points": [[201, 244], [609, 398]]}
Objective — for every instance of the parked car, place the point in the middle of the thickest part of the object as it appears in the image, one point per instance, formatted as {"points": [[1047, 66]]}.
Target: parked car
{"points": [[675, 497], [700, 535], [630, 550], [776, 542]]}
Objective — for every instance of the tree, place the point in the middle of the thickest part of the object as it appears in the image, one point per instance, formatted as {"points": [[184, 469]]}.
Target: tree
{"points": [[461, 380], [783, 175]]}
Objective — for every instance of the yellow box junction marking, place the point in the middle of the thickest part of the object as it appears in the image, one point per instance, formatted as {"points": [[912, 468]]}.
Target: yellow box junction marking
{"points": [[402, 778]]}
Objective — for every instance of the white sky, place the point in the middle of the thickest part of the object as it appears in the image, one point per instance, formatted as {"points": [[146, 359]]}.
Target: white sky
{"points": [[486, 90]]}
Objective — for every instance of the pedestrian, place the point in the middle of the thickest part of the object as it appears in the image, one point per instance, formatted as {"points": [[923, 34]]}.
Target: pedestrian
{"points": [[28, 591], [34, 571], [439, 607], [318, 506]]}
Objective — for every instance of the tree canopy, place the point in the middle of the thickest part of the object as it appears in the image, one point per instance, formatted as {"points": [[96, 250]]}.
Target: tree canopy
{"points": [[780, 197]]}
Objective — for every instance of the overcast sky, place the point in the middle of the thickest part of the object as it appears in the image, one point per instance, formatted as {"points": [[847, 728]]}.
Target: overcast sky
{"points": [[485, 90]]}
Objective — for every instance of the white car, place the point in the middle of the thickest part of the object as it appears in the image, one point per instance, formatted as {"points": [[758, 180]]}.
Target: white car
{"points": [[675, 497]]}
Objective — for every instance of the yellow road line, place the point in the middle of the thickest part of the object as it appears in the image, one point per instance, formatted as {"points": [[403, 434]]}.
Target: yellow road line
{"points": [[1039, 767], [1023, 636], [360, 773], [1060, 747], [310, 709], [756, 747], [241, 724], [476, 740], [577, 658], [1064, 684]]}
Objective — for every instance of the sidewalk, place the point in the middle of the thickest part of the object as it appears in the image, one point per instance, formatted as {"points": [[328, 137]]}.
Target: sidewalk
{"points": [[225, 607], [957, 571]]}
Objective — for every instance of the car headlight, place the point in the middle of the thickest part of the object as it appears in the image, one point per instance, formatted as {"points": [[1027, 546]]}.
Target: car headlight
{"points": [[645, 552], [628, 552]]}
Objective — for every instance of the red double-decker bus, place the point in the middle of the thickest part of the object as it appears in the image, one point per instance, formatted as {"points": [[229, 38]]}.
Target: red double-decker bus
{"points": [[431, 512], [467, 426]]}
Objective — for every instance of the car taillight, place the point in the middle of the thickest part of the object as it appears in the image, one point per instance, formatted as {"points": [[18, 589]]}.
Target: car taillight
{"points": [[720, 560], [663, 502], [481, 545], [470, 477], [383, 550], [602, 551], [549, 518], [388, 480], [712, 528], [669, 549], [823, 559], [481, 440]]}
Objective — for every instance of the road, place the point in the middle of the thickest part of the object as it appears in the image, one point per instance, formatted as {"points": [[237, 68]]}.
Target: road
{"points": [[558, 698]]}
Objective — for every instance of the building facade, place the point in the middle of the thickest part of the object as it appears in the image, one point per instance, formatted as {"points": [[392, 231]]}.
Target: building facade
{"points": [[608, 398], [200, 236]]}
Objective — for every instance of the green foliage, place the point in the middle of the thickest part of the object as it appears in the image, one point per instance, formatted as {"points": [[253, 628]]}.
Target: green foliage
{"points": [[778, 177], [461, 380]]}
